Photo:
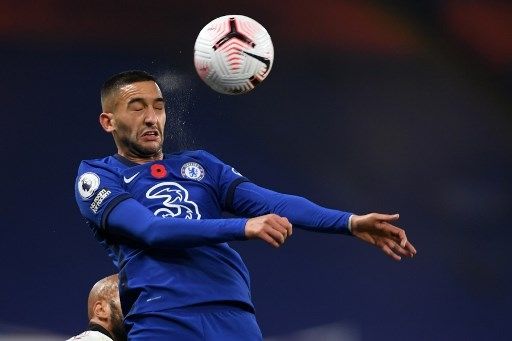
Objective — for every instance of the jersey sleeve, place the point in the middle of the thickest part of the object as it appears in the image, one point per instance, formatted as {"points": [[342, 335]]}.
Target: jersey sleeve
{"points": [[103, 201], [129, 219], [253, 200], [98, 189], [226, 177]]}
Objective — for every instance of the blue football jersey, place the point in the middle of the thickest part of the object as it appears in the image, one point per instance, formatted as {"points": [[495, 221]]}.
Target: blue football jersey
{"points": [[192, 185], [161, 223]]}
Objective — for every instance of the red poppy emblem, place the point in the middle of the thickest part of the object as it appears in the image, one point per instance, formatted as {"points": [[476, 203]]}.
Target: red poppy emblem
{"points": [[158, 171]]}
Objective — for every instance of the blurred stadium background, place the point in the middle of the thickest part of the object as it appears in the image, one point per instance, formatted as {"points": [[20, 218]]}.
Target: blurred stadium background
{"points": [[370, 106]]}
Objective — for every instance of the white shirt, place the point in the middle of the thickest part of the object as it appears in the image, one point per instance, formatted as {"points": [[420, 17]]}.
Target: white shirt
{"points": [[90, 335]]}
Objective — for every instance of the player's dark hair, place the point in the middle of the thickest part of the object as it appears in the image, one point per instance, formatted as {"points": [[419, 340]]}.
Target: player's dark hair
{"points": [[121, 79]]}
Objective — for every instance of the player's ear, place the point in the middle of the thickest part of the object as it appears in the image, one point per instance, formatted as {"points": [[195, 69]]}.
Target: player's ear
{"points": [[106, 121], [101, 309]]}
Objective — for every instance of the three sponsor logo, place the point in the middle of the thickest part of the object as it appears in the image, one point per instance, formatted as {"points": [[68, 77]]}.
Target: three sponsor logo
{"points": [[175, 199]]}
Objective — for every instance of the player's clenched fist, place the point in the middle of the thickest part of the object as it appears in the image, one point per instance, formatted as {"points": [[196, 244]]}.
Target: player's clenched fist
{"points": [[271, 228]]}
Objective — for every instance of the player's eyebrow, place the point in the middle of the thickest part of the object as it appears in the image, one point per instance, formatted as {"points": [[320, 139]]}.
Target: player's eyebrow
{"points": [[136, 100], [143, 101]]}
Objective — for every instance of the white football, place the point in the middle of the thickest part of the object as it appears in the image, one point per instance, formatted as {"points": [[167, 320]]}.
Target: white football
{"points": [[233, 54]]}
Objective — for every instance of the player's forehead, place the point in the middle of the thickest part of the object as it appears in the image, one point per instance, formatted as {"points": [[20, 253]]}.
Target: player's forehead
{"points": [[147, 90]]}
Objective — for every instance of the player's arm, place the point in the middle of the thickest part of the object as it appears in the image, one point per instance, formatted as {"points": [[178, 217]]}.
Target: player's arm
{"points": [[110, 209], [376, 229], [130, 219], [252, 200]]}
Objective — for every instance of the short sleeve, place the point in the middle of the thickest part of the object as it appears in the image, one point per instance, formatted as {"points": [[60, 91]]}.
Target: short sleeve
{"points": [[98, 189]]}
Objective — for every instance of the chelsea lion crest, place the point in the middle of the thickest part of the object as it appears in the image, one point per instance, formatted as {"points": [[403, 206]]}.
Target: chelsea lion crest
{"points": [[192, 170]]}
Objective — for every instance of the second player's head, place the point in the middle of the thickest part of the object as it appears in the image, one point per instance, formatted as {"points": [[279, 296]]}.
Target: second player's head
{"points": [[104, 306], [134, 112]]}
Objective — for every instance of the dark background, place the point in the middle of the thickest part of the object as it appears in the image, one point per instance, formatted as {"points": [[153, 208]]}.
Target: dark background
{"points": [[370, 106]]}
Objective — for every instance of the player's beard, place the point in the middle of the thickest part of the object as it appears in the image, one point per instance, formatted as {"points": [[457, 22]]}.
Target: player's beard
{"points": [[125, 139], [139, 150], [116, 323]]}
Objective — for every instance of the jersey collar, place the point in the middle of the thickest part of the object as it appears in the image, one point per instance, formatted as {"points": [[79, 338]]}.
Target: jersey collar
{"points": [[96, 327], [126, 161]]}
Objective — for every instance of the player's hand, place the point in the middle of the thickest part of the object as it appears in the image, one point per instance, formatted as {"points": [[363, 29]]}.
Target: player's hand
{"points": [[271, 228], [377, 229]]}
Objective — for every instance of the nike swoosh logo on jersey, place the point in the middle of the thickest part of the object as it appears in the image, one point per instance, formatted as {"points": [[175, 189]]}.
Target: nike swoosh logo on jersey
{"points": [[130, 179], [262, 59]]}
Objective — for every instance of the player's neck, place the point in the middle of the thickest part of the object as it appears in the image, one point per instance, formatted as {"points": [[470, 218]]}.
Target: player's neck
{"points": [[142, 159]]}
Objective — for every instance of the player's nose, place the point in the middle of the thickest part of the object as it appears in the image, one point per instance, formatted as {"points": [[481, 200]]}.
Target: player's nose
{"points": [[151, 117]]}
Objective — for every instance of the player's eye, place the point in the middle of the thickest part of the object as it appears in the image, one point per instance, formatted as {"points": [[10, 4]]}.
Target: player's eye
{"points": [[159, 105], [136, 108]]}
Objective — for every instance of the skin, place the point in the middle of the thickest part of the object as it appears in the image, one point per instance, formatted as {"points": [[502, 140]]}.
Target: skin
{"points": [[137, 121], [377, 229], [104, 307], [116, 318], [374, 228], [135, 116]]}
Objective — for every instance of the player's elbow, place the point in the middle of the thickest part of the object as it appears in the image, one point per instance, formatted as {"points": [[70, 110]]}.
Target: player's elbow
{"points": [[141, 232], [149, 236]]}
